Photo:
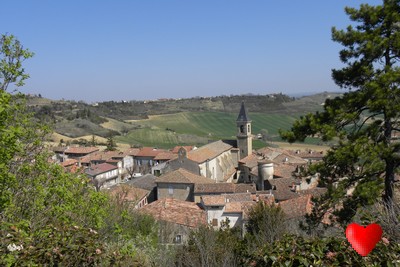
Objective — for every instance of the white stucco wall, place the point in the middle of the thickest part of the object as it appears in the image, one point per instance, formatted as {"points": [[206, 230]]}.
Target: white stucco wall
{"points": [[218, 167]]}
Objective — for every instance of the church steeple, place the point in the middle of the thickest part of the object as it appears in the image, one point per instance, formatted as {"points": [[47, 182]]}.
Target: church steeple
{"points": [[244, 138], [242, 114]]}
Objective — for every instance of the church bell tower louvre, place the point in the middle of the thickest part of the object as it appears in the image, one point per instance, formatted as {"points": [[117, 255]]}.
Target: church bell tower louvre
{"points": [[244, 137]]}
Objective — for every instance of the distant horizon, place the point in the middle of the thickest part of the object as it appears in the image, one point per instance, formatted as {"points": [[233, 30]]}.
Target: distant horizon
{"points": [[101, 50], [295, 95]]}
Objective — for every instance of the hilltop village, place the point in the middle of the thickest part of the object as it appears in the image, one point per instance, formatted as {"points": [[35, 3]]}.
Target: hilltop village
{"points": [[188, 186]]}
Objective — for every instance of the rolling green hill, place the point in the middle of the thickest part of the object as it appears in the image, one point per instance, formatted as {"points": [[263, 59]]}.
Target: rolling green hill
{"points": [[199, 127], [169, 122]]}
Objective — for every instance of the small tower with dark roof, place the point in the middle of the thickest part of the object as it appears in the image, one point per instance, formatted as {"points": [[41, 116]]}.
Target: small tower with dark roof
{"points": [[244, 139]]}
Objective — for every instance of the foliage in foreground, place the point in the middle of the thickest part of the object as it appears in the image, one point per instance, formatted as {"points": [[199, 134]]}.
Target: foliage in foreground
{"points": [[332, 251]]}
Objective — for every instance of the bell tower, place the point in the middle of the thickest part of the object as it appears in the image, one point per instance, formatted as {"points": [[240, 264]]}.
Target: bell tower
{"points": [[244, 137]]}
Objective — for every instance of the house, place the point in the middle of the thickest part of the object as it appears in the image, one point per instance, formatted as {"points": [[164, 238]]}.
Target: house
{"points": [[125, 193], [309, 155], [97, 157], [146, 155], [230, 209], [79, 152], [146, 182], [179, 184], [103, 175], [160, 161], [176, 217], [221, 188], [216, 160]]}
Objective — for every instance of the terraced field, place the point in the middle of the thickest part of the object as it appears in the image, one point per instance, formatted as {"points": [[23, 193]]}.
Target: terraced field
{"points": [[199, 127]]}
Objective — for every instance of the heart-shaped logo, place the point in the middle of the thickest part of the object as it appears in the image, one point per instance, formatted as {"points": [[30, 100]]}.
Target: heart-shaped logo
{"points": [[363, 239]]}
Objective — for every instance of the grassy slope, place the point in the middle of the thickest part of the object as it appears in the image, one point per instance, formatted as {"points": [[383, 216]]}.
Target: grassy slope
{"points": [[198, 127]]}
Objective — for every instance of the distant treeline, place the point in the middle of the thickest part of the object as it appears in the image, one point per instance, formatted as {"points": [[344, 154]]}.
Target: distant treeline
{"points": [[128, 110]]}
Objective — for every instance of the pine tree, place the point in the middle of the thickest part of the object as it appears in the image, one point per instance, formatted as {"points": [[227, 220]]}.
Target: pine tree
{"points": [[365, 119]]}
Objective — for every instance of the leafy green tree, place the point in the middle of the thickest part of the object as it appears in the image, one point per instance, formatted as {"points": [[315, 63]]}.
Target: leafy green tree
{"points": [[12, 54], [49, 217], [266, 223], [364, 119]]}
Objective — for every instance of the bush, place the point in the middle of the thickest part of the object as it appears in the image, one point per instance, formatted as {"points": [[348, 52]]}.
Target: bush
{"points": [[333, 251]]}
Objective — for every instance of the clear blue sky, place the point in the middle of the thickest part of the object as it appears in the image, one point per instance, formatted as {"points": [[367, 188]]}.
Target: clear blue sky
{"points": [[122, 50]]}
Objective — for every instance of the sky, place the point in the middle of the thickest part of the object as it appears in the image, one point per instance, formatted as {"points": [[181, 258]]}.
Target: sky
{"points": [[98, 50]]}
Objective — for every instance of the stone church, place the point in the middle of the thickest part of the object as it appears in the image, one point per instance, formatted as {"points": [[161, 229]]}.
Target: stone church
{"points": [[218, 160]]}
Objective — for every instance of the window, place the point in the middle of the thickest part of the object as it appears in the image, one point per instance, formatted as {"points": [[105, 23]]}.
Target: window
{"points": [[178, 239], [170, 190], [248, 128], [241, 128], [214, 222]]}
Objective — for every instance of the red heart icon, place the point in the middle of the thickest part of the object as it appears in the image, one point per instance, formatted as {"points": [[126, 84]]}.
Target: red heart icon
{"points": [[363, 239]]}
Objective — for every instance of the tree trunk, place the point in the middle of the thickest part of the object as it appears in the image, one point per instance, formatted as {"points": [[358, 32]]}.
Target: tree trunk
{"points": [[390, 165]]}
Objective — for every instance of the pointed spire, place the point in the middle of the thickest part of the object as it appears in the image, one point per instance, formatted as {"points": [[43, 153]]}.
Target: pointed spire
{"points": [[243, 114]]}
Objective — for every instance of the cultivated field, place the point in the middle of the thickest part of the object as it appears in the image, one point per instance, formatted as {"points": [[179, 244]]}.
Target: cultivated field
{"points": [[199, 127]]}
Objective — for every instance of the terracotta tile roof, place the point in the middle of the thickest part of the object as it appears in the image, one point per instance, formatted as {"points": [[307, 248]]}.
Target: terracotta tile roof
{"points": [[250, 161], [233, 207], [149, 152], [132, 151], [146, 181], [81, 150], [296, 207], [308, 154], [223, 188], [267, 198], [278, 155], [167, 155], [99, 156], [208, 152], [100, 168], [120, 154], [187, 148], [315, 192], [281, 188], [126, 192], [176, 211], [69, 162], [284, 170], [183, 176], [221, 200], [213, 200]]}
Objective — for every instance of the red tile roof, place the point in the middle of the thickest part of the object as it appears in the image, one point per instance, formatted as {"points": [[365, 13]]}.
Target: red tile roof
{"points": [[208, 152], [100, 168], [176, 211], [183, 176], [221, 200], [167, 155], [278, 155], [132, 151], [81, 150], [128, 193], [308, 154], [223, 188], [99, 156], [296, 207], [149, 152], [69, 162]]}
